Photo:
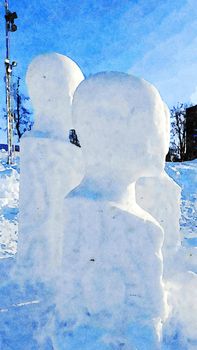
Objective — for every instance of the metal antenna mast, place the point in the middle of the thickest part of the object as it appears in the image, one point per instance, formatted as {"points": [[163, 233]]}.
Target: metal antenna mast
{"points": [[10, 26]]}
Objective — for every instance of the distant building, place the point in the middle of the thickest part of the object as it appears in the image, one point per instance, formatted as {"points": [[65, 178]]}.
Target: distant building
{"points": [[5, 147], [191, 133]]}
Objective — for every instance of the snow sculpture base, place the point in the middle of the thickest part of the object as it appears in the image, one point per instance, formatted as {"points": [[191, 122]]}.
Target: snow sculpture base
{"points": [[112, 275], [49, 169], [160, 196]]}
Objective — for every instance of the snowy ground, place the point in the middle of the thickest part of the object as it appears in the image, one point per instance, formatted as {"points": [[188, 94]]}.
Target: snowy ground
{"points": [[185, 174], [9, 191]]}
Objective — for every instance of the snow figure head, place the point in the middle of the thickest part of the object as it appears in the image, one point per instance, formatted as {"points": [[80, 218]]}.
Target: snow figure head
{"points": [[122, 126], [51, 80]]}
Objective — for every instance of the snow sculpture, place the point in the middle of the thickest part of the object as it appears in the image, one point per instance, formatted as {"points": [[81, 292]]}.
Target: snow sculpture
{"points": [[160, 196], [50, 165], [178, 275], [112, 295]]}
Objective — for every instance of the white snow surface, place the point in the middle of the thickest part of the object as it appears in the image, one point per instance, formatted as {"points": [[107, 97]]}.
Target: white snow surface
{"points": [[47, 175], [108, 98], [179, 335], [9, 189], [51, 80], [167, 194], [99, 264], [179, 262]]}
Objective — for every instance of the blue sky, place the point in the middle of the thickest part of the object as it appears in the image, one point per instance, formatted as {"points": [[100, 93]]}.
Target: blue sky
{"points": [[153, 39]]}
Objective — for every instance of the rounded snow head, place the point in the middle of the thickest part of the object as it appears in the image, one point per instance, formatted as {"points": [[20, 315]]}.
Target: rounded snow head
{"points": [[122, 124], [51, 80]]}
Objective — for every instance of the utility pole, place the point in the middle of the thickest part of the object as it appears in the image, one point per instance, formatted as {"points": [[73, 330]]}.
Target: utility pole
{"points": [[18, 107], [10, 26]]}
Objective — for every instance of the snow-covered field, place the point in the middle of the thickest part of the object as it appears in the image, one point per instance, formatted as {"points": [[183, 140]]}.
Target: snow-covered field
{"points": [[185, 174], [9, 193]]}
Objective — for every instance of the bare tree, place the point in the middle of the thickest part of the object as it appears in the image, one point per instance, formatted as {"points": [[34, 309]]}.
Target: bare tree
{"points": [[178, 130], [22, 115]]}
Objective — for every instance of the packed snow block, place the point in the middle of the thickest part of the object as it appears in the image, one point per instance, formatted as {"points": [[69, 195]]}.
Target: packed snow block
{"points": [[50, 165], [161, 196], [180, 328], [111, 293], [48, 173]]}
